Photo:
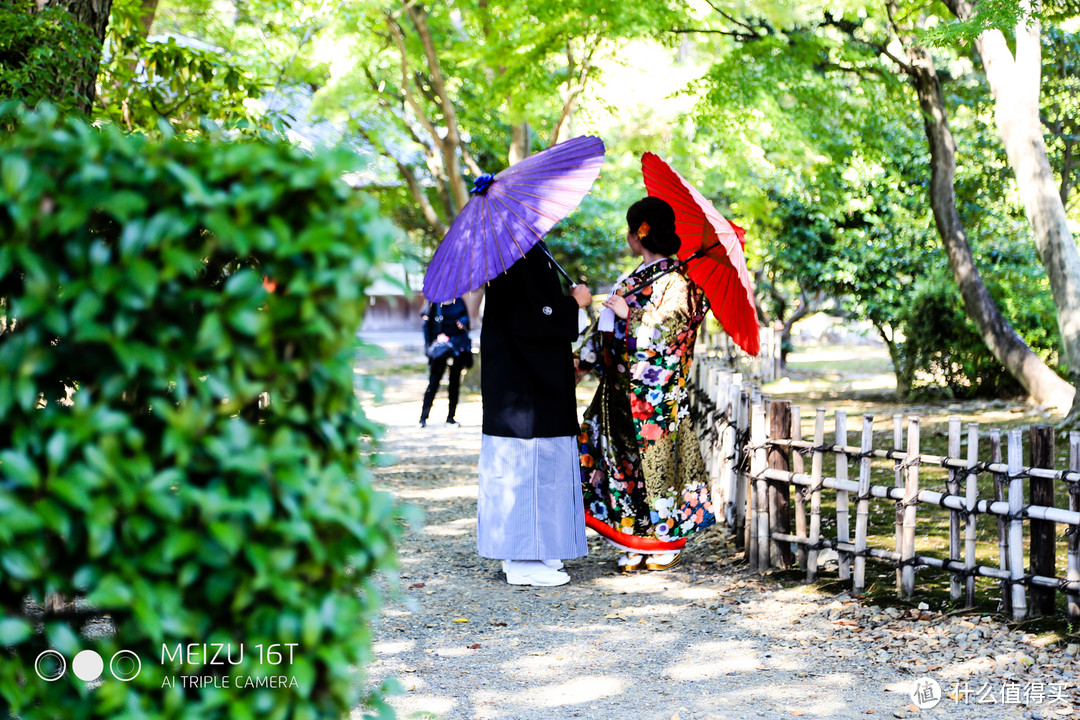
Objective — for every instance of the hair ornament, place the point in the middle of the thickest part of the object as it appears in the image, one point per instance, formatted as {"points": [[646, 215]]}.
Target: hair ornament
{"points": [[643, 230]]}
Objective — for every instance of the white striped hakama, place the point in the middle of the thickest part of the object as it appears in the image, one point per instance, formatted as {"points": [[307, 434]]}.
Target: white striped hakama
{"points": [[529, 506]]}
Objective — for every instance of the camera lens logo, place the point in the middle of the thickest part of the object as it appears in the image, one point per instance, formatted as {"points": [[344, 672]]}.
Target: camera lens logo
{"points": [[87, 665], [125, 666], [50, 665]]}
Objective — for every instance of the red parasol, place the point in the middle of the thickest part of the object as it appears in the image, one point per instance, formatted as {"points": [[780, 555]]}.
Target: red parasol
{"points": [[712, 250]]}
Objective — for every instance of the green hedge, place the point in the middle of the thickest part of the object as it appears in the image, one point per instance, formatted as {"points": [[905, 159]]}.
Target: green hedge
{"points": [[141, 478]]}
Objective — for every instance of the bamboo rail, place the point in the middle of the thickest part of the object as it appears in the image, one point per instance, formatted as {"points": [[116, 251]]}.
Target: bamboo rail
{"points": [[753, 462]]}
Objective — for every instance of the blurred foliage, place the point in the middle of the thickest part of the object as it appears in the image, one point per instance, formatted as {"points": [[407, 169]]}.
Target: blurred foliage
{"points": [[504, 64], [181, 447], [1061, 109], [825, 151], [41, 52], [590, 244], [146, 82]]}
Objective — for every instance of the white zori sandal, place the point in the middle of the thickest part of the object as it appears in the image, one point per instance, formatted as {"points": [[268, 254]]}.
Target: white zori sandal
{"points": [[533, 572], [631, 562], [663, 561]]}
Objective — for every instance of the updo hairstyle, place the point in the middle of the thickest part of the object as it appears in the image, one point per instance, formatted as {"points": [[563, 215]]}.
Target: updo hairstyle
{"points": [[661, 238]]}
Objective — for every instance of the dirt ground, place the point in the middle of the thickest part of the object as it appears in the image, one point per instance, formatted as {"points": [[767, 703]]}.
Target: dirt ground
{"points": [[705, 640]]}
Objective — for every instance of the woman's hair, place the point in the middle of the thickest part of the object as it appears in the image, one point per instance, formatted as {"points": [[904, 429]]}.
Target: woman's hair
{"points": [[660, 238]]}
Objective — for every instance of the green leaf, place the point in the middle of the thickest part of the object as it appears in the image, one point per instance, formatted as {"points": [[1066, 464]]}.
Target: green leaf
{"points": [[18, 565], [111, 592], [62, 638], [14, 631], [14, 173]]}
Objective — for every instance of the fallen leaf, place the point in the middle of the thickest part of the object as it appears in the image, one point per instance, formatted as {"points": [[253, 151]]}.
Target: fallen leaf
{"points": [[417, 585], [474, 646], [461, 620], [796, 712], [497, 623]]}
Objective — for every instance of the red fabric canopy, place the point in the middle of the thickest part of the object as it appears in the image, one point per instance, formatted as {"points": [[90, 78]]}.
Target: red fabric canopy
{"points": [[713, 249]]}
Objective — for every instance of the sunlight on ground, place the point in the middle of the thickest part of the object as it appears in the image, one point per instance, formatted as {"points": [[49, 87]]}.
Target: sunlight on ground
{"points": [[576, 691], [724, 658], [393, 648], [464, 526], [445, 493]]}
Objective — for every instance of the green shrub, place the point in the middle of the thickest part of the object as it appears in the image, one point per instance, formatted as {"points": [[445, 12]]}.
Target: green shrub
{"points": [[143, 475], [945, 346]]}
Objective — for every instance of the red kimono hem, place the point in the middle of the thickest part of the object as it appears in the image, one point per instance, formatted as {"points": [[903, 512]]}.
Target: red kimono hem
{"points": [[633, 542]]}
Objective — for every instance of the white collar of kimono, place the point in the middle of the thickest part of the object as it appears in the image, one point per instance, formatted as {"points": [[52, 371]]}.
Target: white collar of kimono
{"points": [[628, 273]]}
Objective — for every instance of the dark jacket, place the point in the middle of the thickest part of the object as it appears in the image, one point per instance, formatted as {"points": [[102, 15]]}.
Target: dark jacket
{"points": [[444, 318], [528, 367]]}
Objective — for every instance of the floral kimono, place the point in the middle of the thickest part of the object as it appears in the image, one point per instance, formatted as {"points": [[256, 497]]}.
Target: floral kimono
{"points": [[641, 468]]}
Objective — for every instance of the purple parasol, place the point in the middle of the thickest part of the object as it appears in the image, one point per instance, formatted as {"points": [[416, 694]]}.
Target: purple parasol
{"points": [[509, 213]]}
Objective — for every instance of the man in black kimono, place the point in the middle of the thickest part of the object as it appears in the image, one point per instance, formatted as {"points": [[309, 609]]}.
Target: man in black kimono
{"points": [[529, 509]]}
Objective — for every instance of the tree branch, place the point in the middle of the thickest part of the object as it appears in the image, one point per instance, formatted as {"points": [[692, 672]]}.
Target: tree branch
{"points": [[407, 94], [407, 174], [717, 31], [452, 141]]}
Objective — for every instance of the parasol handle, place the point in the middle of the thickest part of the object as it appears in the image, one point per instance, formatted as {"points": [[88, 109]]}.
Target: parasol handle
{"points": [[699, 253], [558, 267]]}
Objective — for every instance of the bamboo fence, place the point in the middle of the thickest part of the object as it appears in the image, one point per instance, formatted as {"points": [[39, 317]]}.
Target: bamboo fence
{"points": [[754, 452]]}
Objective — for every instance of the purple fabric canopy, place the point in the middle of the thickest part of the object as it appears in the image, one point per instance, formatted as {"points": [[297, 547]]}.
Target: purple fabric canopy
{"points": [[509, 213]]}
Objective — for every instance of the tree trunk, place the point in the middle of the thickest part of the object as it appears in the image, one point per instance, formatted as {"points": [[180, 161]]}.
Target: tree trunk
{"points": [[95, 15], [1006, 345], [519, 142], [903, 368], [147, 15], [1015, 83], [451, 144]]}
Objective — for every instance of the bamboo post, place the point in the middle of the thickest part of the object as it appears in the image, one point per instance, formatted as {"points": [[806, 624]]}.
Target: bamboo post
{"points": [[779, 490], [843, 526], [798, 466], [743, 501], [911, 493], [751, 523], [735, 498], [953, 488], [1016, 525], [815, 495], [1002, 523], [758, 463], [862, 503], [972, 497], [778, 348], [727, 452], [715, 462], [1043, 532], [1072, 599], [898, 481]]}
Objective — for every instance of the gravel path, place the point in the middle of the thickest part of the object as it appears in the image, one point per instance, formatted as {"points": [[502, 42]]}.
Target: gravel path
{"points": [[706, 640]]}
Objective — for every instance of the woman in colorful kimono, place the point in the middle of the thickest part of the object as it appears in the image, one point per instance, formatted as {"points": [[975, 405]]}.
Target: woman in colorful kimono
{"points": [[643, 478]]}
